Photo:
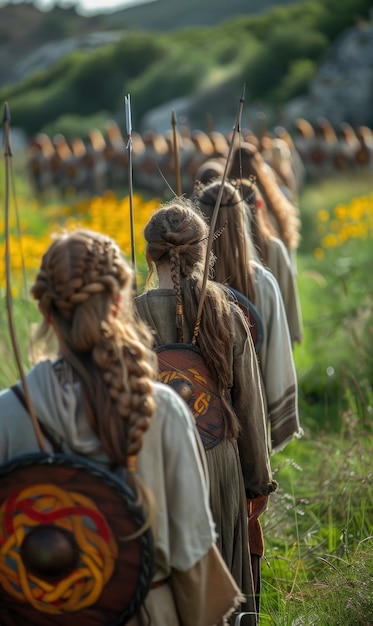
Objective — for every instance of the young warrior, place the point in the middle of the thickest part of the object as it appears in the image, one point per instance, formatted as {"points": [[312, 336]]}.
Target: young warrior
{"points": [[272, 254], [176, 237], [98, 399], [248, 162], [234, 267]]}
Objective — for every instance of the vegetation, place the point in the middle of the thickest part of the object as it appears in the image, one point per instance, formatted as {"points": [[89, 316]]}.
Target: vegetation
{"points": [[318, 530], [275, 53]]}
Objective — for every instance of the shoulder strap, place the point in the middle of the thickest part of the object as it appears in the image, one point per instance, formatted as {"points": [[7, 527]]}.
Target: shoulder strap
{"points": [[19, 393]]}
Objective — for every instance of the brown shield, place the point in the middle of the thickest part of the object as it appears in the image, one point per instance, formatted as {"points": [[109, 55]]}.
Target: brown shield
{"points": [[66, 556], [182, 367]]}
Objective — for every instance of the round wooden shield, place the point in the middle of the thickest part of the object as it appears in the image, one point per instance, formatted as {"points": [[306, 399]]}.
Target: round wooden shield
{"points": [[182, 367], [67, 555], [317, 155], [253, 317], [362, 156]]}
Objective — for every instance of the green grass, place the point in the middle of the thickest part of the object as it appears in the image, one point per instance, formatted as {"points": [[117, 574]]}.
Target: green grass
{"points": [[319, 533], [318, 566]]}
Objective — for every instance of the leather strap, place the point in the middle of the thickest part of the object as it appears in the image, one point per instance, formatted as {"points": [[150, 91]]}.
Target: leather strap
{"points": [[19, 393]]}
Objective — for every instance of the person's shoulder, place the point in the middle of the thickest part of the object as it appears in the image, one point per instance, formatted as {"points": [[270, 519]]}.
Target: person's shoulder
{"points": [[141, 297], [7, 399], [153, 295], [259, 271], [277, 246], [267, 288], [262, 273], [165, 395]]}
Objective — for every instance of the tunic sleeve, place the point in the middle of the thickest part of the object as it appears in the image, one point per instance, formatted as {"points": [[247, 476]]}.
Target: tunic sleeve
{"points": [[247, 400], [277, 362], [280, 265]]}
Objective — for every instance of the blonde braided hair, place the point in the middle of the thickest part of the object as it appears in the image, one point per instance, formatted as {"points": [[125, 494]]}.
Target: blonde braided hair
{"points": [[81, 277]]}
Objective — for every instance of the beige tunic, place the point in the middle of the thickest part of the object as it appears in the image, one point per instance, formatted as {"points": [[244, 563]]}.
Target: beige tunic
{"points": [[283, 269], [276, 360], [171, 463]]}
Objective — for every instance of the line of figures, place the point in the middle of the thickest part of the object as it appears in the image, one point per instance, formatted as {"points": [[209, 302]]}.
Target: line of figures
{"points": [[209, 472], [307, 152]]}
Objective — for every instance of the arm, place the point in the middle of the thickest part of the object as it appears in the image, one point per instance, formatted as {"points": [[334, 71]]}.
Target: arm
{"points": [[280, 265], [247, 399], [277, 362]]}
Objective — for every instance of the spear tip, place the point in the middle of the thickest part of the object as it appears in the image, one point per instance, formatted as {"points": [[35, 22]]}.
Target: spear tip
{"points": [[242, 99], [6, 115]]}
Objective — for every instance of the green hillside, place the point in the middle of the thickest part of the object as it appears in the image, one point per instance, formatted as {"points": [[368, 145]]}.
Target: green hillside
{"points": [[275, 53], [168, 15]]}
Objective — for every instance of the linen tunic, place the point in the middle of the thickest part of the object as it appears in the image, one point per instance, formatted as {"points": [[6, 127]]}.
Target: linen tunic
{"points": [[276, 360], [171, 462], [283, 269]]}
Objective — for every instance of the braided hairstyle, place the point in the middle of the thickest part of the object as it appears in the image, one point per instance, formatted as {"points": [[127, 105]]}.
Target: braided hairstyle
{"points": [[79, 283], [247, 161], [261, 227], [234, 249], [177, 235]]}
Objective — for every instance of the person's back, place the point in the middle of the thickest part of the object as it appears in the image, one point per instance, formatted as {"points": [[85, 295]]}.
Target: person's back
{"points": [[272, 253], [235, 267], [176, 243], [99, 400]]}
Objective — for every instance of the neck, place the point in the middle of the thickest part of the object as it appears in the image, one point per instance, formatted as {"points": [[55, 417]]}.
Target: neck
{"points": [[164, 277]]}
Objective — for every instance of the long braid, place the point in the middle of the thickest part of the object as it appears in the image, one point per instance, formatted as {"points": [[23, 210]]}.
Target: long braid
{"points": [[80, 278], [175, 275]]}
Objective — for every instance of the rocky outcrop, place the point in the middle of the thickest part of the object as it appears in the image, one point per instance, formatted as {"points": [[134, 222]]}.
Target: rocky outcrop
{"points": [[342, 90]]}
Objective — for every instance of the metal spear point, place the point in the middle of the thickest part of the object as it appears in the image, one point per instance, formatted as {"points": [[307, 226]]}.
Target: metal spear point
{"points": [[236, 129], [127, 108], [176, 155]]}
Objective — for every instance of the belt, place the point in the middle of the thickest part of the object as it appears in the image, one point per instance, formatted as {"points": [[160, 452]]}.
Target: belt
{"points": [[159, 583]]}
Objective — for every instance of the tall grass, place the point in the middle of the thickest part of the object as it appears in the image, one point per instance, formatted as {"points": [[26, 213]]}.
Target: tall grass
{"points": [[318, 566]]}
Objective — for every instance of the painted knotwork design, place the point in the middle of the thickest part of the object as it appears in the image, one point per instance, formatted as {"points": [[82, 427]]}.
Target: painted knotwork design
{"points": [[47, 506], [200, 399], [182, 367]]}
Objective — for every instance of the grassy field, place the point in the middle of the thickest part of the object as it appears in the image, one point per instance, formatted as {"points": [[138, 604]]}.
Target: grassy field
{"points": [[318, 566]]}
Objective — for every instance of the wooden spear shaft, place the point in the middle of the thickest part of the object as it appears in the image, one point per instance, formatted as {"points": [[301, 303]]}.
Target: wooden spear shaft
{"points": [[176, 155]]}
